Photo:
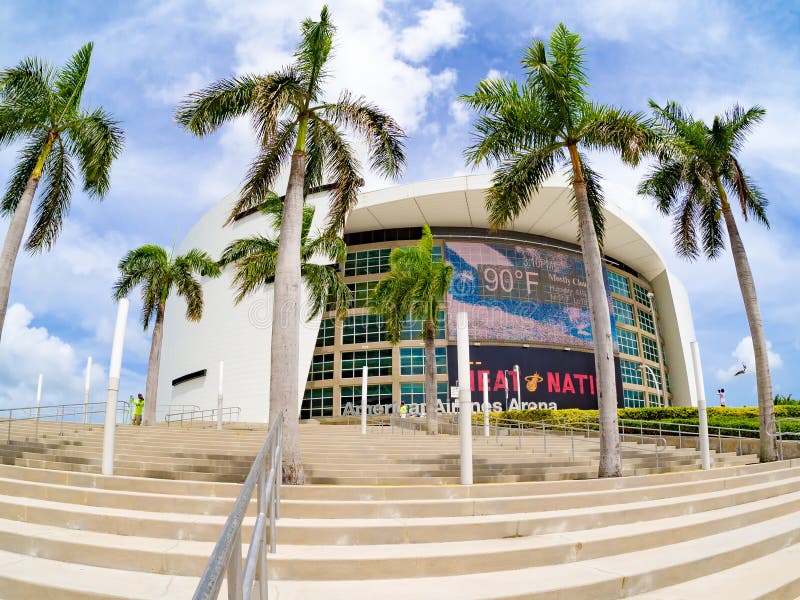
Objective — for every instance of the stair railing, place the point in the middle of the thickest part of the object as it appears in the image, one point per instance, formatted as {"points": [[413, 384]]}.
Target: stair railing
{"points": [[189, 415], [77, 413], [265, 476], [780, 433]]}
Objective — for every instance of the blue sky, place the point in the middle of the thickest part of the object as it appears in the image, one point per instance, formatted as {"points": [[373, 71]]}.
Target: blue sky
{"points": [[412, 58]]}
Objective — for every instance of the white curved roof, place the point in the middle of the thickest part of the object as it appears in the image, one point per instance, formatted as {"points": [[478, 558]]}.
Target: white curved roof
{"points": [[460, 202]]}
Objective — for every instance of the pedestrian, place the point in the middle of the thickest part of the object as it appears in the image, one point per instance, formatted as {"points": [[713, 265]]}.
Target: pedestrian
{"points": [[403, 410], [138, 408]]}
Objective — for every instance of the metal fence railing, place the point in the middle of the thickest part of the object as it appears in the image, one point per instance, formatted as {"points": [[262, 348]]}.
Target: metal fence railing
{"points": [[78, 413], [230, 414], [265, 476]]}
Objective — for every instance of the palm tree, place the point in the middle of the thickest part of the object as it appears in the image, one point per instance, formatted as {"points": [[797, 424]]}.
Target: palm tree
{"points": [[697, 168], [528, 131], [298, 128], [415, 287], [255, 258], [159, 273], [40, 107]]}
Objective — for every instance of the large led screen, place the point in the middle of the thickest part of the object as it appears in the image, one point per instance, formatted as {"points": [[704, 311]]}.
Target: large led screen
{"points": [[515, 293]]}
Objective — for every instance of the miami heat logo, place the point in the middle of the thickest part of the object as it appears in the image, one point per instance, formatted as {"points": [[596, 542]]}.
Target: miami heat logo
{"points": [[533, 381]]}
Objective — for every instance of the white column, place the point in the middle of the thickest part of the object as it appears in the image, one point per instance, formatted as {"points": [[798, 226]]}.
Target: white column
{"points": [[486, 405], [364, 400], [38, 395], [464, 398], [219, 396], [86, 386], [705, 456], [113, 386]]}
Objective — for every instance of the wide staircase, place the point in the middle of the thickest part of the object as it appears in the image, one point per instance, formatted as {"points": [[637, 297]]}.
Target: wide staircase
{"points": [[72, 533], [340, 454]]}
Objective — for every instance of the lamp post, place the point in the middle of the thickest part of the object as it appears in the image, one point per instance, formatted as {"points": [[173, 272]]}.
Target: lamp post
{"points": [[651, 298], [219, 396], [485, 404], [86, 386], [646, 369], [364, 371]]}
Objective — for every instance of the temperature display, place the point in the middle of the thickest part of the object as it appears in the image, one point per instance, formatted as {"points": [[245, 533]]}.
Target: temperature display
{"points": [[532, 285]]}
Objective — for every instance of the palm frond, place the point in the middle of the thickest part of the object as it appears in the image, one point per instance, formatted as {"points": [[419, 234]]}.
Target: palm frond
{"points": [[664, 184], [327, 290], [254, 260], [277, 99], [316, 41], [344, 170], [710, 228], [70, 80], [740, 123], [266, 167], [752, 201], [26, 162], [684, 232], [15, 124], [594, 194], [96, 139], [29, 86], [198, 261], [382, 133], [608, 128], [205, 111], [54, 203], [188, 288], [515, 181], [138, 267]]}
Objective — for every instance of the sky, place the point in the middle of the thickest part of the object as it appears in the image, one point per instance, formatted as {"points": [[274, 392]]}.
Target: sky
{"points": [[413, 59]]}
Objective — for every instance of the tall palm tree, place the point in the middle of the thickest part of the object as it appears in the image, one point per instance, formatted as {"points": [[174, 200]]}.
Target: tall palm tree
{"points": [[415, 286], [297, 127], [255, 259], [159, 273], [697, 168], [530, 130], [41, 108]]}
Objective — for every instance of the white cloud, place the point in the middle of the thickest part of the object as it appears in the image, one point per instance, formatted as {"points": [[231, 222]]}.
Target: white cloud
{"points": [[459, 112], [27, 351], [495, 74], [176, 90], [440, 27], [745, 357]]}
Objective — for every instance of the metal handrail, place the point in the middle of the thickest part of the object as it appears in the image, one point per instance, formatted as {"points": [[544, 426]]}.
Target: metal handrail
{"points": [[226, 559], [207, 414], [540, 427], [781, 433], [59, 413], [174, 409]]}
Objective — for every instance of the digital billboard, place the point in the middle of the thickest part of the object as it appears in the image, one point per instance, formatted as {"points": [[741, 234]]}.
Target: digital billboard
{"points": [[548, 378], [517, 293]]}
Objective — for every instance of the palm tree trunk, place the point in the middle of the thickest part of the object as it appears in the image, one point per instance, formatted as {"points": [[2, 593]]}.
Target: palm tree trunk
{"points": [[285, 349], [430, 378], [153, 366], [766, 409], [610, 458], [16, 230]]}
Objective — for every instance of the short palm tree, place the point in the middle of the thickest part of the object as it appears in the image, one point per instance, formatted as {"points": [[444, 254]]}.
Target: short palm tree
{"points": [[530, 130], [415, 287], [697, 168], [297, 128], [254, 260], [41, 108], [159, 274]]}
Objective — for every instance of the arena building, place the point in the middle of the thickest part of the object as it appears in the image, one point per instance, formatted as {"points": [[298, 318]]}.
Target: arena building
{"points": [[523, 289]]}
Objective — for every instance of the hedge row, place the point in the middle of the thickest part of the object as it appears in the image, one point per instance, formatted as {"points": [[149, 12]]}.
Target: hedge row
{"points": [[745, 419]]}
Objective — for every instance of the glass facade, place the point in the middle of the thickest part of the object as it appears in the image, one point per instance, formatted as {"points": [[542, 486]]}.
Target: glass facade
{"points": [[378, 363], [317, 402], [360, 329], [412, 361], [359, 340]]}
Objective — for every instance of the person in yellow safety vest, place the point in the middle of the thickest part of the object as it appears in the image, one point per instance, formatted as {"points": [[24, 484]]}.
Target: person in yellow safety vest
{"points": [[403, 410], [138, 407]]}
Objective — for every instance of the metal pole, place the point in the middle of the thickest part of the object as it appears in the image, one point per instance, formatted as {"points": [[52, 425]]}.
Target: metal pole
{"points": [[38, 395], [486, 405], [364, 370], [113, 386], [219, 396], [464, 398], [86, 387], [701, 407]]}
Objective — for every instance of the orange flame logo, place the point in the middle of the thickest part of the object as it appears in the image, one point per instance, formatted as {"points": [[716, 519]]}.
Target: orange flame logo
{"points": [[533, 381]]}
